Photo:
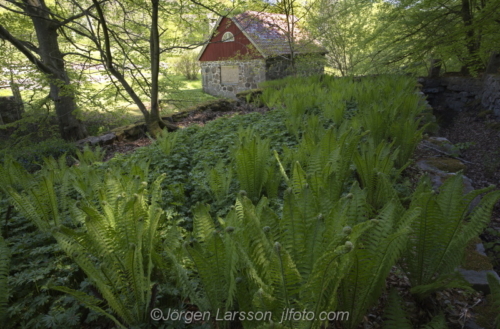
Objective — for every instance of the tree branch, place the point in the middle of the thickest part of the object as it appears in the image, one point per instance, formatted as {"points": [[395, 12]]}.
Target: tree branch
{"points": [[4, 34], [79, 15]]}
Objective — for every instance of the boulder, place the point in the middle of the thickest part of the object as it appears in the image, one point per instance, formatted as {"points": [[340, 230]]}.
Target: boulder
{"points": [[478, 279], [448, 165], [217, 105], [249, 96], [476, 266], [10, 110], [435, 167], [106, 139], [132, 132], [442, 144], [471, 324]]}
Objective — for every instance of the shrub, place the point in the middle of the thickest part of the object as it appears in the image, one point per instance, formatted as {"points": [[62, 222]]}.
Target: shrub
{"points": [[188, 66]]}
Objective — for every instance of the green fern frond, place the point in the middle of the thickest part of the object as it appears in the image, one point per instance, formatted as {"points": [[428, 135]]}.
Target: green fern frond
{"points": [[166, 141], [205, 226], [209, 258], [444, 228], [395, 316], [13, 174], [437, 322], [88, 156], [382, 246], [251, 161], [4, 273], [88, 301], [495, 296], [444, 281]]}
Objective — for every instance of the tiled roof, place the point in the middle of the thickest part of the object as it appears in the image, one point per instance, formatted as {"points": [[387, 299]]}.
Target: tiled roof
{"points": [[268, 32]]}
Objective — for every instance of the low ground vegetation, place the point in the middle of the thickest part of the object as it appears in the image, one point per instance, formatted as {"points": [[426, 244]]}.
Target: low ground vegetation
{"points": [[306, 207], [36, 135]]}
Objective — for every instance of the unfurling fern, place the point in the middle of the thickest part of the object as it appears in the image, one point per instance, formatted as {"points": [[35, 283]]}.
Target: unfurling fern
{"points": [[373, 259], [442, 231], [4, 273], [296, 260]]}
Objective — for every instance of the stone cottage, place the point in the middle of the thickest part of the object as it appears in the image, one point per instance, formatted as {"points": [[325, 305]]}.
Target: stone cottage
{"points": [[253, 47]]}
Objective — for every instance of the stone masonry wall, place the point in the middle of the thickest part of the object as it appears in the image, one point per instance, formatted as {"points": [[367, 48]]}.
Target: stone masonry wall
{"points": [[279, 67], [491, 94], [456, 93], [251, 72], [10, 110]]}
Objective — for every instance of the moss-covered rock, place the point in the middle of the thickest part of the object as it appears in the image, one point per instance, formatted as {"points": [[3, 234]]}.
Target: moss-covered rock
{"points": [[249, 96], [216, 105], [474, 260], [132, 132], [446, 164], [441, 144]]}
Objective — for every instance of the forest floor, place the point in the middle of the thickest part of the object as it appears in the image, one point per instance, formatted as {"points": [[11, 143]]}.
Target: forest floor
{"points": [[477, 135], [198, 118]]}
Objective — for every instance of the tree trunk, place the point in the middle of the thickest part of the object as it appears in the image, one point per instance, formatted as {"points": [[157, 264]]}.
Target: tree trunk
{"points": [[60, 90], [435, 68], [152, 118], [154, 50], [472, 62], [14, 87]]}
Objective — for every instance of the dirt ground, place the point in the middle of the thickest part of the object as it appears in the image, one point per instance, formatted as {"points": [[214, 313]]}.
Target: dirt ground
{"points": [[195, 118], [478, 132]]}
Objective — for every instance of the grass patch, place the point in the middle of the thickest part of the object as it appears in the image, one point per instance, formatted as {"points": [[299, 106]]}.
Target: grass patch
{"points": [[5, 93]]}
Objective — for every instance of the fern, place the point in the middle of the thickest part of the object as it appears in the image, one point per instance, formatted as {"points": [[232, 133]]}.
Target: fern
{"points": [[252, 163], [396, 317], [166, 141], [443, 229], [215, 261], [294, 261], [372, 162], [4, 273], [112, 236], [87, 156], [495, 296], [394, 314], [219, 180], [380, 249]]}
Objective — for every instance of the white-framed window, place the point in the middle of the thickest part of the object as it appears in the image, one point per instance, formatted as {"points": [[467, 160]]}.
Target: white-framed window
{"points": [[227, 37]]}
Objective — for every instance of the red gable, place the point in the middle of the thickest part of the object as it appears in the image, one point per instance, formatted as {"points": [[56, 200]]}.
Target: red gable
{"points": [[217, 50]]}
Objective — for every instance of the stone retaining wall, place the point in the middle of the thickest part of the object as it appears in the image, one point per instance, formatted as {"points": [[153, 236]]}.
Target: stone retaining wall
{"points": [[10, 110], [490, 98], [457, 93]]}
